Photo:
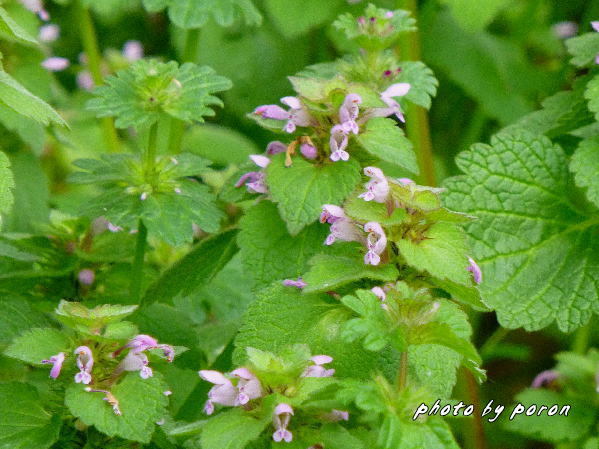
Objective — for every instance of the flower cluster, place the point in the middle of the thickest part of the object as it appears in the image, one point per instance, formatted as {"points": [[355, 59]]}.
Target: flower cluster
{"points": [[85, 363]]}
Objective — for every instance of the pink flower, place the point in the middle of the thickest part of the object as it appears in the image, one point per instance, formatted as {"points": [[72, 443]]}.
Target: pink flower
{"points": [[331, 213], [49, 33], [317, 369], [86, 276], [282, 415], [297, 115], [137, 361], [477, 274], [544, 377], [565, 29], [55, 64], [248, 386], [291, 283], [223, 392], [85, 363], [345, 230], [376, 242], [133, 50], [308, 150], [348, 113], [56, 361], [377, 188], [36, 7], [338, 143], [84, 80], [254, 180], [275, 147], [379, 292]]}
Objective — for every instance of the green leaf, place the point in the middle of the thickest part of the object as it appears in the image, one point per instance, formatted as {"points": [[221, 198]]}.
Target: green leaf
{"points": [[329, 272], [538, 254], [139, 95], [76, 315], [294, 19], [592, 94], [141, 401], [383, 139], [465, 294], [301, 190], [7, 183], [11, 30], [232, 429], [312, 319], [195, 13], [552, 428], [269, 252], [196, 269], [17, 316], [24, 422], [14, 96], [155, 5], [38, 344], [585, 166], [442, 252], [583, 49], [474, 15], [219, 144], [423, 84]]}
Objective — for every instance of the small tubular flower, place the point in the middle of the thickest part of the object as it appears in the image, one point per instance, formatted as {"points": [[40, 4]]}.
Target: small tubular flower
{"points": [[275, 147], [377, 189], [348, 113], [248, 386], [344, 229], [376, 242], [133, 50], [49, 33], [137, 361], [299, 283], [56, 361], [85, 363], [282, 415], [388, 96], [317, 368], [55, 64], [297, 115], [254, 180], [223, 392], [338, 143], [544, 378], [331, 213], [473, 267]]}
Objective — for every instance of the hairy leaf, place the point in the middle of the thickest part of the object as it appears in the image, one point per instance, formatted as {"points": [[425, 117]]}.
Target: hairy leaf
{"points": [[585, 166]]}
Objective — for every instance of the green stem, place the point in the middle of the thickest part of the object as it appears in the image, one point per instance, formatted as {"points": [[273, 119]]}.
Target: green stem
{"points": [[477, 435], [138, 262], [402, 375], [150, 154], [582, 338], [417, 125], [94, 61], [190, 54]]}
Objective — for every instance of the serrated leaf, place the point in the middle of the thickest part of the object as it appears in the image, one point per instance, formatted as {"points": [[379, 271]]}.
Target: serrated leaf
{"points": [[309, 319], [38, 344], [17, 316], [76, 314], [585, 166], [141, 401], [474, 15], [383, 139], [12, 30], [465, 294], [539, 255], [232, 429], [423, 84], [195, 269], [195, 13], [329, 272], [7, 183], [552, 428], [584, 49], [24, 422], [592, 94], [269, 252], [301, 190], [19, 99], [442, 252], [148, 89]]}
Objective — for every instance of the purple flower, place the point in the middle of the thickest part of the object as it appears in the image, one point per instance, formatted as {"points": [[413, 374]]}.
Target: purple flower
{"points": [[275, 147], [344, 229], [84, 80], [405, 181], [282, 415], [376, 242], [393, 107], [308, 150], [254, 180], [338, 143], [595, 25], [565, 29], [317, 369], [136, 361], [56, 362], [377, 188], [142, 343], [49, 33], [291, 283], [348, 113], [297, 115], [86, 276], [133, 50], [544, 378], [389, 14], [248, 386], [55, 64], [223, 392], [477, 274], [85, 363], [331, 213], [36, 7], [379, 292]]}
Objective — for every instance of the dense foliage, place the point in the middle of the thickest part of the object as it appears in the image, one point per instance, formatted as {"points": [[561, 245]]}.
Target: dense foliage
{"points": [[235, 224]]}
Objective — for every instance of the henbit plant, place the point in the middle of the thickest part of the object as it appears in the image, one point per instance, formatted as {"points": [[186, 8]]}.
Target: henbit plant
{"points": [[365, 280]]}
